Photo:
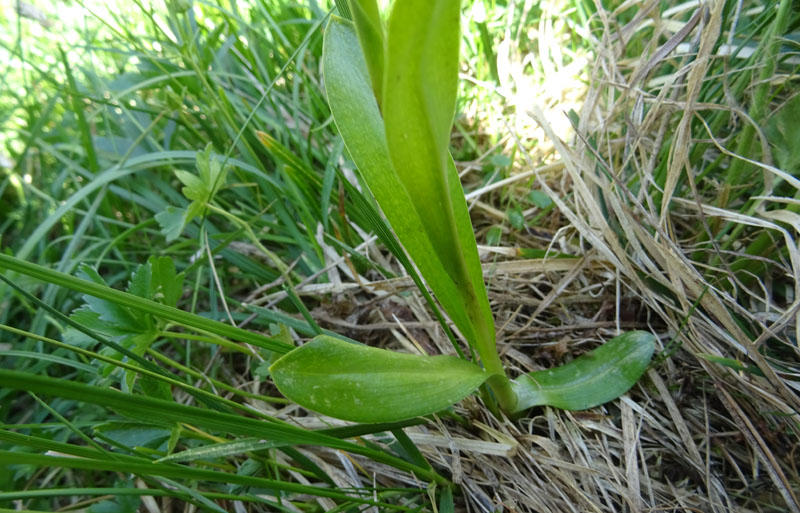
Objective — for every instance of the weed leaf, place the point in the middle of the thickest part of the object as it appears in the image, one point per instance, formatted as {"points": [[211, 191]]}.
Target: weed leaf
{"points": [[200, 189], [171, 221], [134, 329]]}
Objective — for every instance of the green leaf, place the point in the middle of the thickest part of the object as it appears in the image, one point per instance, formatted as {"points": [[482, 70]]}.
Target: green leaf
{"points": [[166, 285], [133, 434], [539, 198], [171, 221], [592, 379], [369, 27], [141, 280], [494, 235], [365, 384], [195, 189], [202, 187], [91, 320], [359, 121], [155, 388], [420, 94], [500, 160], [195, 209], [132, 329], [516, 218], [113, 314]]}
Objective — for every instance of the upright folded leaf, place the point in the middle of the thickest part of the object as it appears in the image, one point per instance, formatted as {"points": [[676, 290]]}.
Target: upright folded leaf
{"points": [[369, 27], [361, 125], [420, 93], [421, 83], [365, 384]]}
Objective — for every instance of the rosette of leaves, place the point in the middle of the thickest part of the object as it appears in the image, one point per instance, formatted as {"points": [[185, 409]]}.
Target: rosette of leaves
{"points": [[392, 92]]}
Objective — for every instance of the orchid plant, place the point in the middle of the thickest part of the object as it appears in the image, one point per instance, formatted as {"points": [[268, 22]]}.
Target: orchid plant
{"points": [[392, 86]]}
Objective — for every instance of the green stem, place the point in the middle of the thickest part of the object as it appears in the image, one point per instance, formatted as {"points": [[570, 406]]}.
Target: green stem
{"points": [[499, 383], [219, 341]]}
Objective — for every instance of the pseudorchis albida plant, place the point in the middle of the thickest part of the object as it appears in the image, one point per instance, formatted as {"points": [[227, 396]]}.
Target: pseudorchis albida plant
{"points": [[392, 91]]}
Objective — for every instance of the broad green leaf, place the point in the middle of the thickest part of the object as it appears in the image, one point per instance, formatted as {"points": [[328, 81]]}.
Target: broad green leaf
{"points": [[369, 27], [592, 379], [359, 121], [365, 384]]}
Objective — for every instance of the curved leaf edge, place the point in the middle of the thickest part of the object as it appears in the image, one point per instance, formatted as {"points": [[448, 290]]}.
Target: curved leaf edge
{"points": [[597, 377], [364, 384]]}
